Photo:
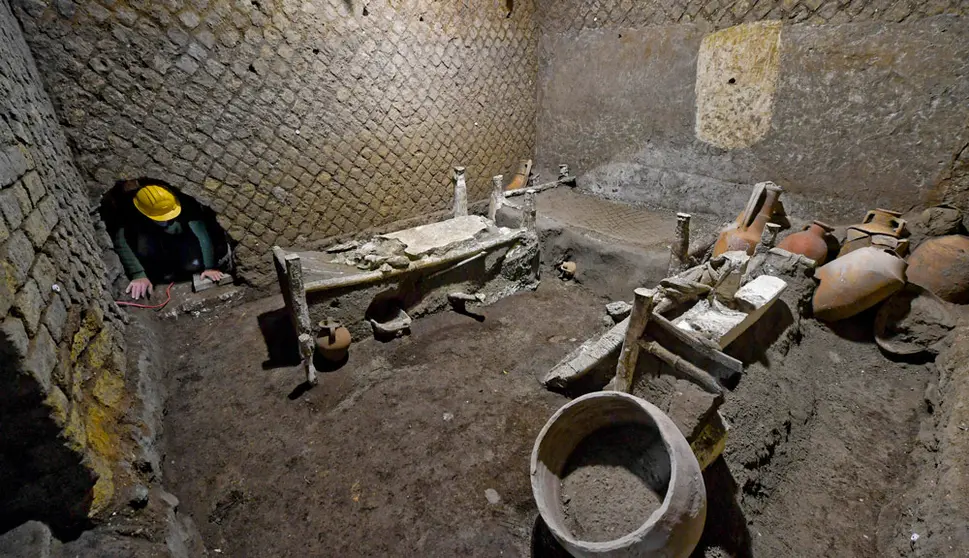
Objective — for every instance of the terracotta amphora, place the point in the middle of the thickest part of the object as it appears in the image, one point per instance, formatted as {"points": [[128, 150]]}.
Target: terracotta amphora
{"points": [[883, 223], [521, 177], [856, 282], [334, 341], [750, 224], [941, 265], [810, 242]]}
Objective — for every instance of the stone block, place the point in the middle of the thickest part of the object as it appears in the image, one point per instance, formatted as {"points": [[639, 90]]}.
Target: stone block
{"points": [[34, 186], [16, 257], [31, 540], [13, 164], [36, 229], [13, 339], [29, 305], [55, 317], [42, 358], [10, 208], [22, 197]]}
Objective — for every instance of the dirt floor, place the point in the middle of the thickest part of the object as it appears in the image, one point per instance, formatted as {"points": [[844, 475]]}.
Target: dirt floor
{"points": [[403, 450], [820, 446], [390, 455]]}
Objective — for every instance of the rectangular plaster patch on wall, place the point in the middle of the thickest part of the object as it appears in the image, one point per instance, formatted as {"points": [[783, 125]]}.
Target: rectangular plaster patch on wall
{"points": [[736, 76]]}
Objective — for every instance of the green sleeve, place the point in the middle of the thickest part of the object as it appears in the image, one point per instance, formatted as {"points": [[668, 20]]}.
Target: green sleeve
{"points": [[205, 243], [129, 261]]}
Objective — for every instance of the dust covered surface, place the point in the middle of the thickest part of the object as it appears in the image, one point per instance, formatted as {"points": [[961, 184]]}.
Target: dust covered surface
{"points": [[823, 431], [392, 454], [614, 480]]}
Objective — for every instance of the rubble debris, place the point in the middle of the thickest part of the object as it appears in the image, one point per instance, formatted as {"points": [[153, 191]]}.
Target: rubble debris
{"points": [[941, 220], [745, 233], [618, 310], [372, 254], [715, 321], [731, 274], [913, 321], [342, 247], [397, 325], [566, 177], [941, 265], [853, 283], [421, 241], [492, 496], [567, 270]]}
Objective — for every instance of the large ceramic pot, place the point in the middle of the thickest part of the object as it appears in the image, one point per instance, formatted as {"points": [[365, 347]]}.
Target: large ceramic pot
{"points": [[750, 224], [941, 265], [672, 530], [811, 242], [856, 282]]}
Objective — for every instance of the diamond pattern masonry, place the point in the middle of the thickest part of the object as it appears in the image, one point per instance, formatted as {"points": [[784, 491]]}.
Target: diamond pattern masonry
{"points": [[295, 121]]}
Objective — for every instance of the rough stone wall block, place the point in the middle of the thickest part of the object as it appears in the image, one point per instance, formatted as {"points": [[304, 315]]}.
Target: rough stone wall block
{"points": [[295, 126]]}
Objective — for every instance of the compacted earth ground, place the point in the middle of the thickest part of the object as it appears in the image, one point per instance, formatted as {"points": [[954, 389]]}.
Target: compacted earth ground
{"points": [[420, 446]]}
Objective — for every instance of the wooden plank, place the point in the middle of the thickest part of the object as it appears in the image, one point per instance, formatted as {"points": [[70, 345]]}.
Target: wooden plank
{"points": [[681, 367], [703, 355]]}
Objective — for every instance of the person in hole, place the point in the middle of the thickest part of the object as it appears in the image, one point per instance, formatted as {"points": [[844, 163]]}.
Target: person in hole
{"points": [[161, 239]]}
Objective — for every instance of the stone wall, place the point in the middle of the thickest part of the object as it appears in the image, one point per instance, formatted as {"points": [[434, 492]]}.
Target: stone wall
{"points": [[847, 105], [64, 445], [295, 120]]}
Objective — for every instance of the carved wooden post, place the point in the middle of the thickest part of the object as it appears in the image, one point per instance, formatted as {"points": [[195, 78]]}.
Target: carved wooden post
{"points": [[497, 196], [528, 210], [301, 314], [680, 249], [460, 193], [626, 368]]}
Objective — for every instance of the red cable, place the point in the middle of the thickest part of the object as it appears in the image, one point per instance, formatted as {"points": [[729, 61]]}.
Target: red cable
{"points": [[168, 293]]}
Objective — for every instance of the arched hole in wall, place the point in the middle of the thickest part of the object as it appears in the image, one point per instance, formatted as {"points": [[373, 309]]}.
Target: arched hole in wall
{"points": [[164, 256]]}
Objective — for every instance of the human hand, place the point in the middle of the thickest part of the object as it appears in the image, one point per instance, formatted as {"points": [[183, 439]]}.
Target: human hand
{"points": [[139, 288], [213, 274]]}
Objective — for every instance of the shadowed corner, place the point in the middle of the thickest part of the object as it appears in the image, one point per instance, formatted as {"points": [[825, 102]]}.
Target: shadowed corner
{"points": [[41, 478]]}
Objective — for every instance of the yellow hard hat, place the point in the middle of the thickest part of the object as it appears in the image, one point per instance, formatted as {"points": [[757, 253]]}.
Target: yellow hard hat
{"points": [[157, 203]]}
